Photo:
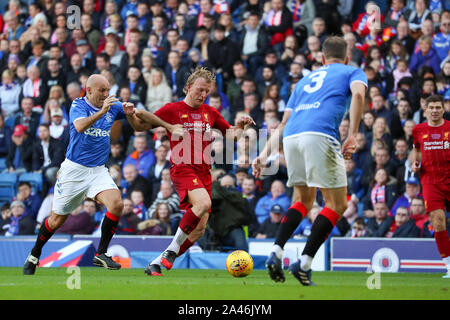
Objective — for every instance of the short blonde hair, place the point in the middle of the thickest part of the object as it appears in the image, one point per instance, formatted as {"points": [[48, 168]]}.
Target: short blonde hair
{"points": [[200, 72]]}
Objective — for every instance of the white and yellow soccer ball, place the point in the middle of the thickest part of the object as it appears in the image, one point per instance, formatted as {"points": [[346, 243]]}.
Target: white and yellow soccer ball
{"points": [[239, 264]]}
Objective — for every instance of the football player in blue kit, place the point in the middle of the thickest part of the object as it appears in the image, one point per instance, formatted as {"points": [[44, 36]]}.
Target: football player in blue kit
{"points": [[314, 156], [83, 172]]}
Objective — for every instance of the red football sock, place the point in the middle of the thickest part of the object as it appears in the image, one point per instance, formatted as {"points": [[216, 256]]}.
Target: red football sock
{"points": [[443, 243], [184, 247], [189, 221]]}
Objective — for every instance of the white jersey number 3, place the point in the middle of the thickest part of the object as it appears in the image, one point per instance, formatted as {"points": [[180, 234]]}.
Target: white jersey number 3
{"points": [[316, 81]]}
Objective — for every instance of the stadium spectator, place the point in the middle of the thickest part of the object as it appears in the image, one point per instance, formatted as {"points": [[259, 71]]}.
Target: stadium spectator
{"points": [[116, 156], [128, 220], [440, 44], [10, 92], [426, 56], [78, 222], [134, 181], [5, 137], [383, 189], [228, 217], [5, 218], [137, 197], [412, 191], [20, 153], [28, 117], [20, 223], [57, 124], [158, 91], [167, 221], [359, 229], [165, 195], [154, 173], [269, 227], [418, 213], [142, 157], [377, 218], [277, 195], [48, 154], [401, 226]]}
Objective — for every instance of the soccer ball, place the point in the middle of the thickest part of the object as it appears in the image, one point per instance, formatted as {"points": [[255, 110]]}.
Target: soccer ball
{"points": [[239, 264]]}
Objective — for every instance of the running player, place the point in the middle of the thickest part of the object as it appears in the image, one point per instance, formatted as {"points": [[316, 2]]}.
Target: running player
{"points": [[83, 173], [431, 157], [190, 161], [313, 153]]}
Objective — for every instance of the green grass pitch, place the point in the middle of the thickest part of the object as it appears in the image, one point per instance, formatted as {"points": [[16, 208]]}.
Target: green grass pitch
{"points": [[98, 283]]}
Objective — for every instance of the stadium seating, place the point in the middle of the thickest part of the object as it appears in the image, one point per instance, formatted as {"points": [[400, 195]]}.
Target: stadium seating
{"points": [[35, 179], [7, 186]]}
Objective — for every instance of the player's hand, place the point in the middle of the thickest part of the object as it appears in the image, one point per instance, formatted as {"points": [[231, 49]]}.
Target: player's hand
{"points": [[176, 130], [349, 147], [257, 167], [108, 103], [128, 108], [244, 121], [415, 166]]}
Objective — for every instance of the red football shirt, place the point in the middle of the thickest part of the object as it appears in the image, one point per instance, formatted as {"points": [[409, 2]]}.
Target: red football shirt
{"points": [[198, 124], [434, 144]]}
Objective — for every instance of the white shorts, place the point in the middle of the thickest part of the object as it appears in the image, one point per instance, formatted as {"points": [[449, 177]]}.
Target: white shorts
{"points": [[75, 182], [314, 160]]}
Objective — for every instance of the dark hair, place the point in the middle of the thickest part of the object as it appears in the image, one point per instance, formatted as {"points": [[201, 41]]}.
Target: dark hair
{"points": [[116, 142], [360, 221], [24, 183], [434, 98], [334, 47], [45, 125], [105, 56], [5, 206], [215, 95]]}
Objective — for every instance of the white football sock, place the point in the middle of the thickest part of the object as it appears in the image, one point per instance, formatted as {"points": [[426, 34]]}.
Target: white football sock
{"points": [[447, 263], [305, 262], [278, 251], [157, 260], [177, 241]]}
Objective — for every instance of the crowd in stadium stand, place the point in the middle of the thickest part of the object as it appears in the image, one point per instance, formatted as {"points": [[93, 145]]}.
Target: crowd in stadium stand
{"points": [[258, 51]]}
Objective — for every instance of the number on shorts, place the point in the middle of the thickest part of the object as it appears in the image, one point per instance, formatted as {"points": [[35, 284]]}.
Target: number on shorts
{"points": [[316, 81]]}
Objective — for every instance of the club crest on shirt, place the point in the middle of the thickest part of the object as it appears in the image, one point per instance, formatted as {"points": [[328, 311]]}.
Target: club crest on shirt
{"points": [[108, 117], [435, 136], [206, 116], [446, 135], [195, 181]]}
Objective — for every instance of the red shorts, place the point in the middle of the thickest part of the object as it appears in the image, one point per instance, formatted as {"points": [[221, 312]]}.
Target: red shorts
{"points": [[437, 196], [185, 178]]}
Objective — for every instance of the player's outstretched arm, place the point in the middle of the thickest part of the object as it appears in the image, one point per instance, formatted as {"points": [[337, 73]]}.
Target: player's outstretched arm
{"points": [[154, 121], [135, 122], [260, 161], [82, 124], [241, 125]]}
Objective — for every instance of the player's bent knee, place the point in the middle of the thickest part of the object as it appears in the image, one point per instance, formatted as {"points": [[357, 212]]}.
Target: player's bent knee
{"points": [[116, 208], [203, 206]]}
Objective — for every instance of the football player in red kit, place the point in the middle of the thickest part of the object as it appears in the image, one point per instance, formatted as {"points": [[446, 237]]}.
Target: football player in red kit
{"points": [[431, 157], [191, 161]]}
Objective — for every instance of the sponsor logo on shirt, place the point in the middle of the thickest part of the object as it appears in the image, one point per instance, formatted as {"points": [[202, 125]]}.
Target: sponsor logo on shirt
{"points": [[308, 106], [97, 132], [436, 145]]}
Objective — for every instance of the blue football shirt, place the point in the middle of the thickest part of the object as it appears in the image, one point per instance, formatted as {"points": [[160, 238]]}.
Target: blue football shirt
{"points": [[91, 147], [320, 99]]}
